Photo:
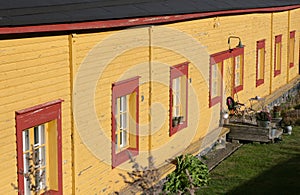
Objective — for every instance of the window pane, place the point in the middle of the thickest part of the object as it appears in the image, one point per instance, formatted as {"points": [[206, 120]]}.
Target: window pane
{"points": [[292, 46], [36, 135], [278, 56], [124, 138], [26, 140], [26, 176], [214, 89], [43, 178], [42, 156], [36, 157], [177, 111], [176, 84], [41, 134], [116, 140], [40, 179], [174, 99], [214, 71], [237, 62], [123, 103], [258, 61], [237, 79], [123, 121], [121, 138]]}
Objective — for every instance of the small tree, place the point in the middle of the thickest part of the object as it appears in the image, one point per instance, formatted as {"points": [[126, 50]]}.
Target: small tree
{"points": [[143, 179], [33, 176]]}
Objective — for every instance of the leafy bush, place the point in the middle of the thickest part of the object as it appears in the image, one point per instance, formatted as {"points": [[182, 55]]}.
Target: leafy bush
{"points": [[190, 174]]}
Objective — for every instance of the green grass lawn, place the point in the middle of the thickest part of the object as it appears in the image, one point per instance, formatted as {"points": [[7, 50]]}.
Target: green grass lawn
{"points": [[259, 169]]}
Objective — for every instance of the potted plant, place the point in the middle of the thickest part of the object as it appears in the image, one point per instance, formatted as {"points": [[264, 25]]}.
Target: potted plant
{"points": [[276, 111], [263, 118], [288, 122], [180, 119], [175, 121]]}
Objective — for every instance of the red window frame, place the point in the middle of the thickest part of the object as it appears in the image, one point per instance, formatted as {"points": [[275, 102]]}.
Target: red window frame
{"points": [[31, 117], [215, 59], [260, 45], [292, 36], [236, 52], [119, 89], [278, 39], [175, 72]]}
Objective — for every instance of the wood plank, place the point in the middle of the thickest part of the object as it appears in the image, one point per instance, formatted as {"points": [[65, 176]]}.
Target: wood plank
{"points": [[29, 41], [23, 57], [31, 78], [45, 61]]}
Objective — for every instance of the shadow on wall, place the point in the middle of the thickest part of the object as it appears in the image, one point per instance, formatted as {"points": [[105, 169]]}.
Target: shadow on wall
{"points": [[283, 178]]}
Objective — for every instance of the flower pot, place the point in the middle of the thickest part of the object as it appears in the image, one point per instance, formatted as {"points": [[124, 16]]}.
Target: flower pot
{"points": [[175, 121], [226, 121], [180, 119], [261, 123], [276, 114], [273, 132], [289, 129]]}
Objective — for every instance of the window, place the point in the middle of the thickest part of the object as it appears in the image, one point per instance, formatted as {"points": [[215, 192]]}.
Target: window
{"points": [[215, 81], [238, 60], [277, 55], [260, 62], [125, 120], [178, 97], [34, 154], [292, 49], [39, 149]]}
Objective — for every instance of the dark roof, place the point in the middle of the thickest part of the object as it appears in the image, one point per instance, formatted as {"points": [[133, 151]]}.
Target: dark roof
{"points": [[37, 12]]}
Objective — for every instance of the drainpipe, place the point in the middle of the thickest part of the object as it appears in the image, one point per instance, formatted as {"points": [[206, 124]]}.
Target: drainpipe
{"points": [[72, 63], [288, 52], [150, 30], [271, 56]]}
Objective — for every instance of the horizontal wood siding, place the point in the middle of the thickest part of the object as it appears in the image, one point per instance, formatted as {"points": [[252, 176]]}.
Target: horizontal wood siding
{"points": [[32, 71], [295, 25], [280, 26], [93, 165]]}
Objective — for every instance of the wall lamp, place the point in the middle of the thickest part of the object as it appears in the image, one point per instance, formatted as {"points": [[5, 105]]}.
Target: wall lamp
{"points": [[240, 45]]}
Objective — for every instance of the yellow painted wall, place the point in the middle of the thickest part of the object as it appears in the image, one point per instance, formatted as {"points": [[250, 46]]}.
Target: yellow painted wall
{"points": [[119, 57], [295, 25], [280, 26], [32, 71]]}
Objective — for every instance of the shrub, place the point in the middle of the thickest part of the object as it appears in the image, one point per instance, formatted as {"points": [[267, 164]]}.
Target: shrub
{"points": [[297, 106], [189, 175]]}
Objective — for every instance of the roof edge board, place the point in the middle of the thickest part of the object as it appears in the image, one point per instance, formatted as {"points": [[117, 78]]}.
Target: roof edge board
{"points": [[104, 24]]}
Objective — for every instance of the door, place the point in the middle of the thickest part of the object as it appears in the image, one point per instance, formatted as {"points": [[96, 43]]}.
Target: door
{"points": [[227, 80], [299, 59]]}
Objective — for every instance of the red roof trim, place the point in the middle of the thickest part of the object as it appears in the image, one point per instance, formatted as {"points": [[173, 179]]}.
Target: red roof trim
{"points": [[131, 21]]}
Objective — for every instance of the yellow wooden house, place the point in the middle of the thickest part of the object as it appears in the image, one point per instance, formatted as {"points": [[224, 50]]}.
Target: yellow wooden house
{"points": [[87, 84]]}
